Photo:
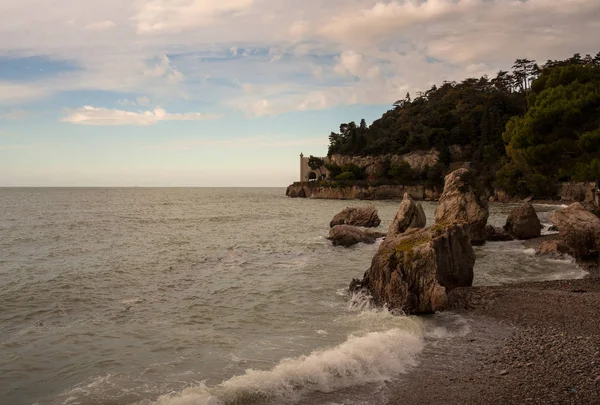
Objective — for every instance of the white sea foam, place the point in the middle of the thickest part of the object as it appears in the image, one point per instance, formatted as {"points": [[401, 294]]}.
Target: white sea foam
{"points": [[368, 358]]}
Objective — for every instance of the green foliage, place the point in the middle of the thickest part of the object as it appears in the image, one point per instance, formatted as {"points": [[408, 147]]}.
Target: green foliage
{"points": [[559, 136], [345, 176], [472, 113], [434, 176], [587, 171], [403, 173], [511, 179], [315, 163]]}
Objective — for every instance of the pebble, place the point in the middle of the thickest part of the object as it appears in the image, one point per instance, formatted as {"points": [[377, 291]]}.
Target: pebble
{"points": [[503, 372]]}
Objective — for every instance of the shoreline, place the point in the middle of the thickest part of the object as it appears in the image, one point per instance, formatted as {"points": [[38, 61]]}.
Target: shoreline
{"points": [[531, 343]]}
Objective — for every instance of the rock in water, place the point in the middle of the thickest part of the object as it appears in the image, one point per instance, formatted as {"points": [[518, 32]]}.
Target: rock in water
{"points": [[358, 216], [579, 229], [347, 235], [409, 215], [414, 270], [523, 222], [460, 203], [494, 234], [554, 248]]}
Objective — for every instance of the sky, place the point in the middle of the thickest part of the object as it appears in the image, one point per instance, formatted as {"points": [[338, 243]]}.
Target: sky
{"points": [[229, 92]]}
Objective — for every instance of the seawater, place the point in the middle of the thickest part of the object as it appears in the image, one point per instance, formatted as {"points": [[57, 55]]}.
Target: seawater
{"points": [[181, 296]]}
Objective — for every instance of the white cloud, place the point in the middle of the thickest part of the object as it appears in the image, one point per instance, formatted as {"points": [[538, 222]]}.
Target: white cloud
{"points": [[247, 142], [100, 26], [165, 69], [89, 115], [143, 100], [159, 16], [19, 93], [14, 114], [326, 53]]}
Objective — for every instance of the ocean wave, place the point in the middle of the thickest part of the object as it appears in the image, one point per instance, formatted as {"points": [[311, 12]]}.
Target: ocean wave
{"points": [[361, 359]]}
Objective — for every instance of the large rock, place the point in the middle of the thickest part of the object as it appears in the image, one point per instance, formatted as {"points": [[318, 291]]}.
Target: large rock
{"points": [[461, 203], [359, 216], [409, 215], [414, 270], [523, 222], [494, 234], [347, 235], [579, 229]]}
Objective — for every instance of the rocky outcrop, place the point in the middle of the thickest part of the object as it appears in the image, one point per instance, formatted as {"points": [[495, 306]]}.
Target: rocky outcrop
{"points": [[413, 271], [409, 215], [387, 192], [358, 216], [523, 222], [347, 235], [579, 229], [577, 192], [556, 249], [374, 165], [494, 234], [461, 203]]}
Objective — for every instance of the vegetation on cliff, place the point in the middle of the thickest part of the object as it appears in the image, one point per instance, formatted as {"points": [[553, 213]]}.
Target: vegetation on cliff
{"points": [[521, 130]]}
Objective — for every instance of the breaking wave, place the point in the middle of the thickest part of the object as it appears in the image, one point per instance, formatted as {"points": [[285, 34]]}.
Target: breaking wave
{"points": [[368, 358]]}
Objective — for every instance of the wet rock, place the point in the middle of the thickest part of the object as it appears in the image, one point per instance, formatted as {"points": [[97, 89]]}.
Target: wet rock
{"points": [[553, 248], [347, 235], [460, 203], [413, 271], [579, 229], [494, 234], [409, 215], [523, 222], [358, 216]]}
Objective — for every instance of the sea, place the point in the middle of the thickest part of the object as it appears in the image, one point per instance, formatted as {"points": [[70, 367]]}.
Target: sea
{"points": [[194, 296]]}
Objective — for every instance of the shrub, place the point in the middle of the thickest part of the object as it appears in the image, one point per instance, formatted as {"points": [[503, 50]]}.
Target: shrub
{"points": [[345, 176]]}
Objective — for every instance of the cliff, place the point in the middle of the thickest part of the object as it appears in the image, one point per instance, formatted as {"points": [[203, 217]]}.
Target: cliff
{"points": [[356, 192]]}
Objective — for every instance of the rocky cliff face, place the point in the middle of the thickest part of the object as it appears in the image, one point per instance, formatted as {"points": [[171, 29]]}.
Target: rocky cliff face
{"points": [[305, 190], [418, 160]]}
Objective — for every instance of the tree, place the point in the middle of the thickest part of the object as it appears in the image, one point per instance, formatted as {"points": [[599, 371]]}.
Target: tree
{"points": [[559, 136], [316, 163]]}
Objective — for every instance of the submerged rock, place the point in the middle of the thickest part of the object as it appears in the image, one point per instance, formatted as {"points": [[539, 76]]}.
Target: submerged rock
{"points": [[414, 270], [461, 203], [494, 234], [579, 229], [523, 222], [358, 216], [409, 215], [347, 235]]}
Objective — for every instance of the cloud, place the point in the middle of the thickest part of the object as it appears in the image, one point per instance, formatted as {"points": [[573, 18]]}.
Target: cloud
{"points": [[15, 93], [100, 26], [89, 115], [248, 142], [325, 53], [14, 114], [159, 16], [143, 100], [166, 70]]}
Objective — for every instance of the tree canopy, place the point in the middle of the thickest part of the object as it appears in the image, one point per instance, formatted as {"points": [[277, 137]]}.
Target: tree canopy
{"points": [[532, 126], [558, 139]]}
